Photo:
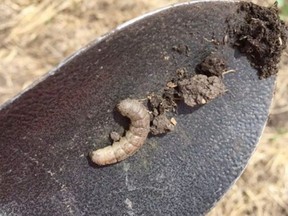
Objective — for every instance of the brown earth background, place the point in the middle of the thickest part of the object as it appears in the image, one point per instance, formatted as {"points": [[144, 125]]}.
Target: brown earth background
{"points": [[35, 35]]}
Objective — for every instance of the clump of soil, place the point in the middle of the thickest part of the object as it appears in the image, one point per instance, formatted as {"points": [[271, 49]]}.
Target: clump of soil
{"points": [[160, 105], [260, 35], [197, 89], [200, 89], [212, 66], [161, 124]]}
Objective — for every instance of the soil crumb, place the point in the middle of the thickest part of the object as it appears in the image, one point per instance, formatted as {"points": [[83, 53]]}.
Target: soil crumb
{"points": [[259, 33], [163, 103], [161, 124], [115, 136], [200, 89], [212, 65]]}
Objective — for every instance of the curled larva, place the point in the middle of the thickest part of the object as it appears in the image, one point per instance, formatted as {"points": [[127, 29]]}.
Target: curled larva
{"points": [[133, 139]]}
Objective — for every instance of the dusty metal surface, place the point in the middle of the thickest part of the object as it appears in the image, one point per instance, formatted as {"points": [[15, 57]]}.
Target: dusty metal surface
{"points": [[46, 133]]}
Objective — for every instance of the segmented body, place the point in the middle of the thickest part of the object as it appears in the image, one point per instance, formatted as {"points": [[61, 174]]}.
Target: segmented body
{"points": [[134, 137]]}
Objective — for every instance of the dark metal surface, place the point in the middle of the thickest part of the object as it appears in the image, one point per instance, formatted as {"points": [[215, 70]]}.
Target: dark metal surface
{"points": [[46, 133]]}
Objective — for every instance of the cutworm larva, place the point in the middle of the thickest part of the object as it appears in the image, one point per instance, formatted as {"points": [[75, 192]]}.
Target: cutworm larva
{"points": [[134, 137]]}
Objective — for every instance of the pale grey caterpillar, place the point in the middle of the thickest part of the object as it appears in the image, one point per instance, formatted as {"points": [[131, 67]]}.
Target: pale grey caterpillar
{"points": [[134, 138]]}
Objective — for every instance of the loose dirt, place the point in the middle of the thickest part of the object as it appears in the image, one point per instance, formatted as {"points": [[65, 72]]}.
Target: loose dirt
{"points": [[258, 33], [196, 89]]}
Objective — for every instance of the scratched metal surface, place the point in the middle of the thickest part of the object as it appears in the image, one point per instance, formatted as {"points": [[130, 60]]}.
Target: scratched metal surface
{"points": [[46, 133]]}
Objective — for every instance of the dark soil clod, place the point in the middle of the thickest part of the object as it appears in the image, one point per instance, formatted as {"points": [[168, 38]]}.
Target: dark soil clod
{"points": [[260, 35], [161, 124], [212, 65]]}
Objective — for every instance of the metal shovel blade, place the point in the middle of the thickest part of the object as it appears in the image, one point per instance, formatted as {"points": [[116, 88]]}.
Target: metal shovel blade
{"points": [[47, 131]]}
